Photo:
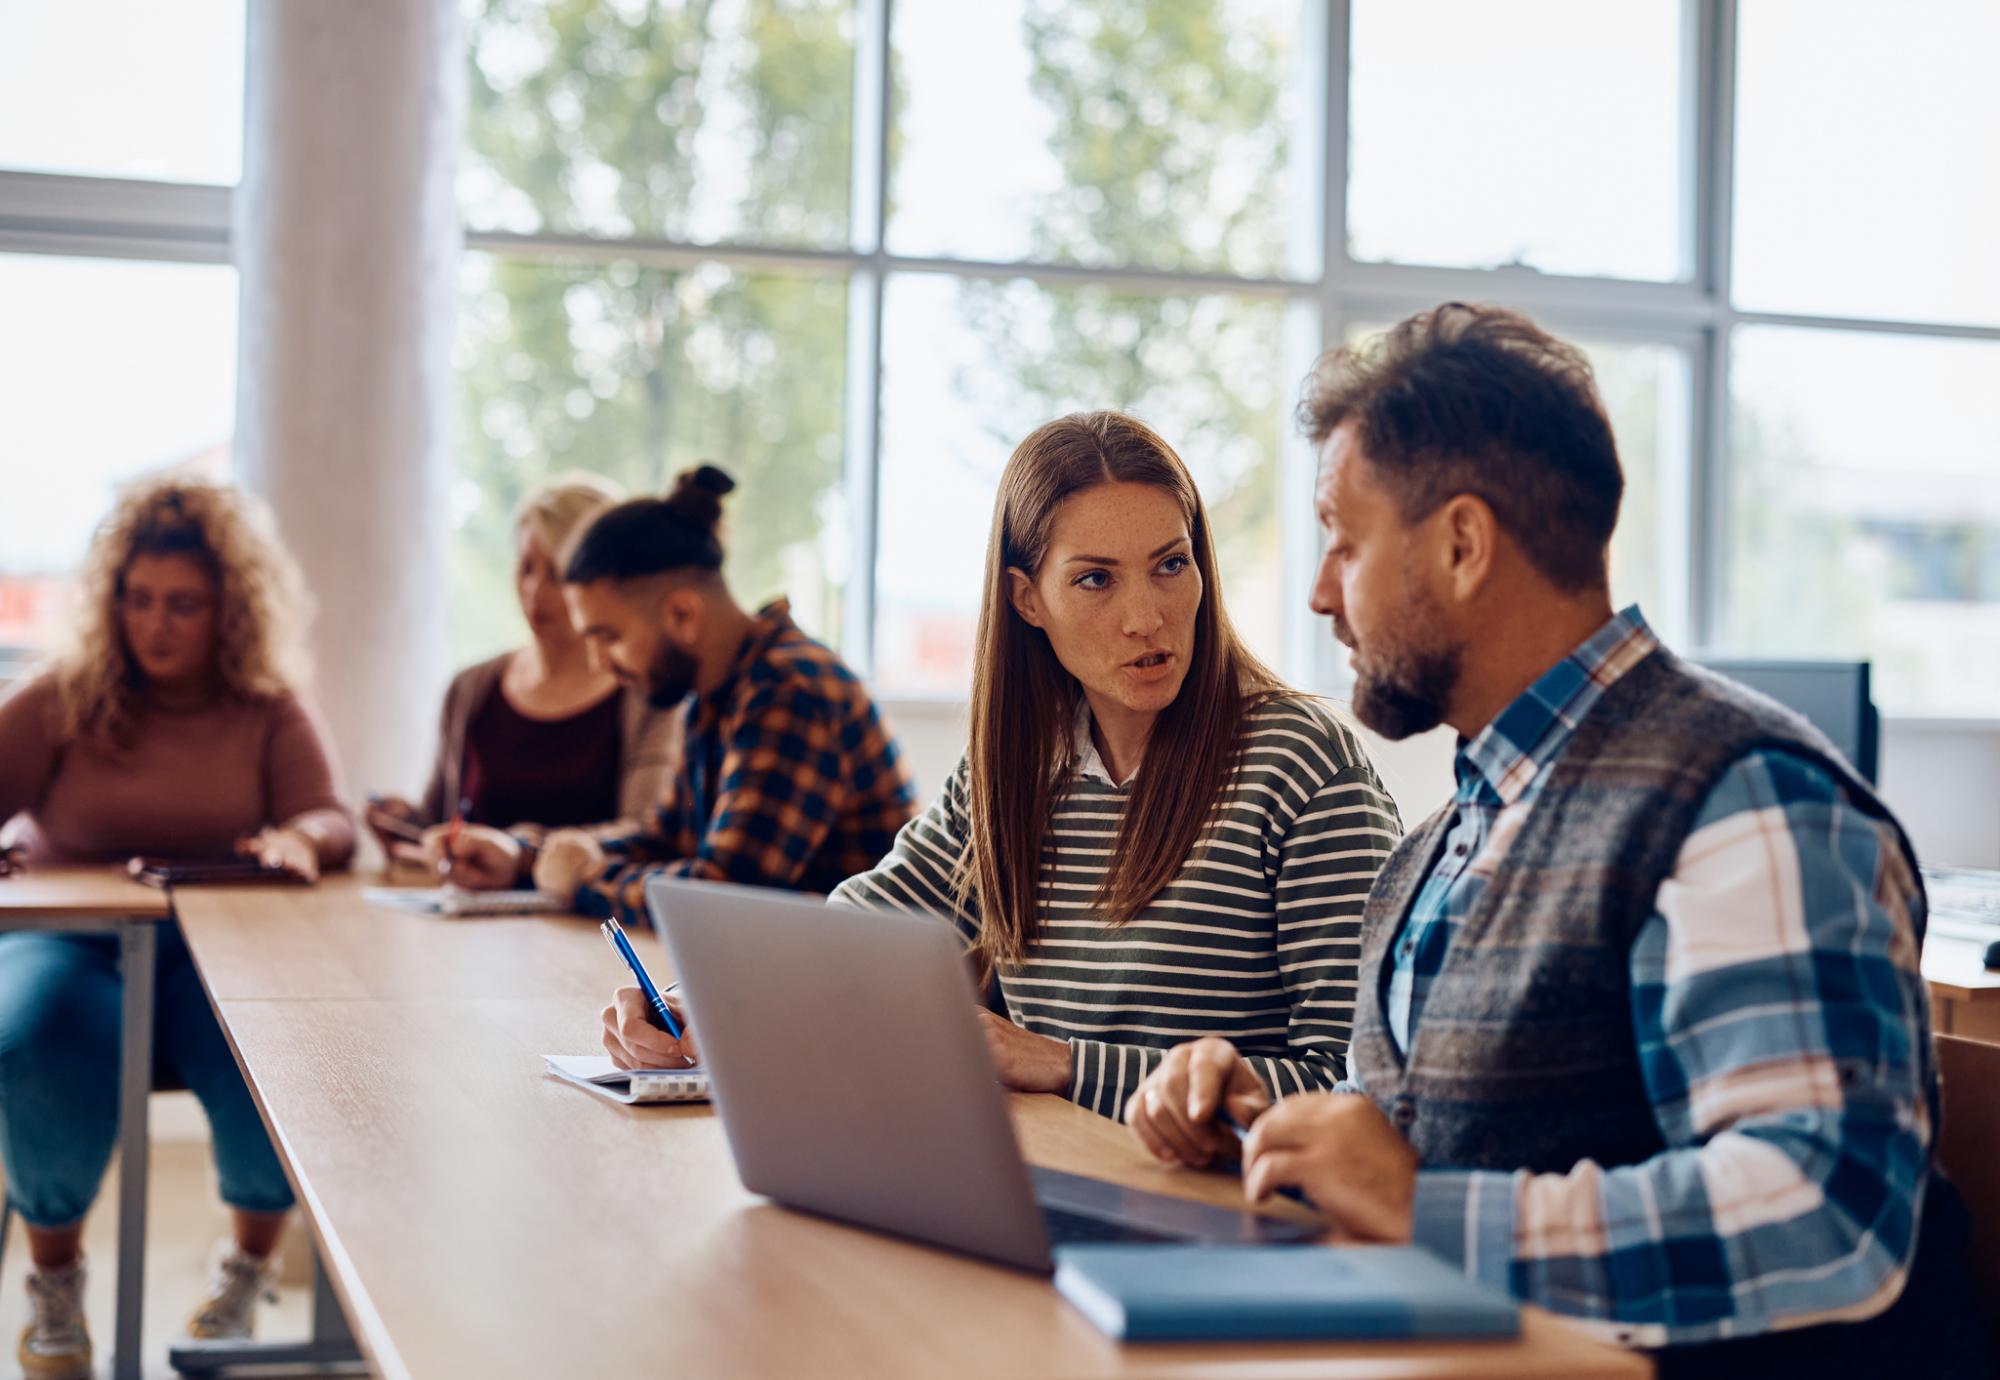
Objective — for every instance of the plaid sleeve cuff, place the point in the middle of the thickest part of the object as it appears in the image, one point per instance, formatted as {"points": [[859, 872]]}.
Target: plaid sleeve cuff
{"points": [[1466, 1217]]}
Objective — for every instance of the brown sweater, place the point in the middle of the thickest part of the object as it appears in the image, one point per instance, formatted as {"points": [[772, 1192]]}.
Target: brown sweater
{"points": [[197, 778]]}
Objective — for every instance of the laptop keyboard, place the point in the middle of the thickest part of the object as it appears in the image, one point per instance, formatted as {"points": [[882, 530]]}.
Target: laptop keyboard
{"points": [[1067, 1228]]}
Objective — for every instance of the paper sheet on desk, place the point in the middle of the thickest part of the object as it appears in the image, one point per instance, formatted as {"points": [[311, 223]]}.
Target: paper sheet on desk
{"points": [[596, 1073], [452, 901]]}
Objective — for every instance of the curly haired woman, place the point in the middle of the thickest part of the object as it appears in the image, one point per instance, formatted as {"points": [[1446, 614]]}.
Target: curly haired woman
{"points": [[172, 728]]}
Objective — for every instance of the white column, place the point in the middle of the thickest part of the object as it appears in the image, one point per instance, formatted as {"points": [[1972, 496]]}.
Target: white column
{"points": [[347, 239]]}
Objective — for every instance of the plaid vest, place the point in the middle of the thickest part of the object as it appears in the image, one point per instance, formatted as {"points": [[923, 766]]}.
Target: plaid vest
{"points": [[1524, 1056]]}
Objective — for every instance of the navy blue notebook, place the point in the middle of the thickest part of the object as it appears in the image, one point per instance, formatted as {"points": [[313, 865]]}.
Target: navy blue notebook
{"points": [[1277, 1293]]}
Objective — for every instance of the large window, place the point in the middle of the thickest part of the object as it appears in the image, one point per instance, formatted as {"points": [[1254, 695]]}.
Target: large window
{"points": [[117, 304], [124, 88], [856, 251], [1565, 156], [68, 333]]}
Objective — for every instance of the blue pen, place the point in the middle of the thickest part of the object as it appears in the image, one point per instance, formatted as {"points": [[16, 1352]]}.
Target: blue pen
{"points": [[614, 935]]}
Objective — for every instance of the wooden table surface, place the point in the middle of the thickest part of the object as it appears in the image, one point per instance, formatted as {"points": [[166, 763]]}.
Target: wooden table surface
{"points": [[480, 1218], [1956, 969], [93, 893], [328, 944]]}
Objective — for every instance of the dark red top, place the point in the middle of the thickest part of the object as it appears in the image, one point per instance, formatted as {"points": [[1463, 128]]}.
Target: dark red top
{"points": [[552, 772]]}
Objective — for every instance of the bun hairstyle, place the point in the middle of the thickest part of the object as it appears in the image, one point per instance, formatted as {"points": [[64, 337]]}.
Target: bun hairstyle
{"points": [[655, 536]]}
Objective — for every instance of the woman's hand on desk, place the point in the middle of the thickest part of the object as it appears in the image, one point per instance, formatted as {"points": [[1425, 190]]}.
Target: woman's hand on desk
{"points": [[1173, 1112], [634, 1042], [12, 861], [285, 848], [474, 856], [1027, 1062]]}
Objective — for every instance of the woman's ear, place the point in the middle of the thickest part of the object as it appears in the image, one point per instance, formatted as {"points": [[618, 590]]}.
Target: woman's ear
{"points": [[1022, 595]]}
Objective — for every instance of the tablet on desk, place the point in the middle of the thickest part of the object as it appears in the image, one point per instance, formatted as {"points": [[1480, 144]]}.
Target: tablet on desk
{"points": [[165, 872]]}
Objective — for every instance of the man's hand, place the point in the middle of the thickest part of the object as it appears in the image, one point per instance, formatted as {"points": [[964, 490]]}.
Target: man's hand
{"points": [[1173, 1112], [634, 1042], [1026, 1062], [474, 856], [1341, 1150], [569, 858]]}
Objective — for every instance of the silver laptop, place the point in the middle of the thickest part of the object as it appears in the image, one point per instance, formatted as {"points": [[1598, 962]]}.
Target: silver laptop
{"points": [[853, 1081]]}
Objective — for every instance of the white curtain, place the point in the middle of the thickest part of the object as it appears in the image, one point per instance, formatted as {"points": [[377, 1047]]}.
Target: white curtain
{"points": [[347, 240]]}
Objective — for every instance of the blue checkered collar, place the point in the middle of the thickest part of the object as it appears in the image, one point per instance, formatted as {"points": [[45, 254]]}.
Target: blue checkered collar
{"points": [[1509, 753]]}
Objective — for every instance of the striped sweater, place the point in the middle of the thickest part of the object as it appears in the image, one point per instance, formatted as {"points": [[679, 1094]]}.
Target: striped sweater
{"points": [[1256, 939]]}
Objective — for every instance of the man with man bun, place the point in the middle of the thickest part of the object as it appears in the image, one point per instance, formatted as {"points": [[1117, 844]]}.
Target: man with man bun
{"points": [[789, 778]]}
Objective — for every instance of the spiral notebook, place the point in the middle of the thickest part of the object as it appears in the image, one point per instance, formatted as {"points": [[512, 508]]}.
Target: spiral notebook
{"points": [[596, 1073]]}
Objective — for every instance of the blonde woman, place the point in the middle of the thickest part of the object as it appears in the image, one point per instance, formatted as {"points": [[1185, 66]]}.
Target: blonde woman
{"points": [[185, 670], [541, 737]]}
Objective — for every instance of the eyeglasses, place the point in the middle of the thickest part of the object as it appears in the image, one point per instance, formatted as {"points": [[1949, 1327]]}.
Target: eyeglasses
{"points": [[181, 607]]}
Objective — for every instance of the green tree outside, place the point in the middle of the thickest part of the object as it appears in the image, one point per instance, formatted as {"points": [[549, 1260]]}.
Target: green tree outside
{"points": [[621, 119]]}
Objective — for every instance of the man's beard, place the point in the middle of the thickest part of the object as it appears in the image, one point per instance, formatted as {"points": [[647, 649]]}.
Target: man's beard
{"points": [[670, 677], [1408, 690]]}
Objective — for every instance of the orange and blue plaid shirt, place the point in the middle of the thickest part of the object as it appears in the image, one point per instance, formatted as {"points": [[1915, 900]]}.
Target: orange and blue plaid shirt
{"points": [[790, 779]]}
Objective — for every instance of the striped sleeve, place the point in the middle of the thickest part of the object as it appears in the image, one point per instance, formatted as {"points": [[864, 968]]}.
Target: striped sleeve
{"points": [[918, 873], [1338, 825], [1328, 861], [1781, 1018]]}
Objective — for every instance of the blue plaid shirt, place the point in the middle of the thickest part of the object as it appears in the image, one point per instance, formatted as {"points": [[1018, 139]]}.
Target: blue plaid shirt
{"points": [[1783, 1031]]}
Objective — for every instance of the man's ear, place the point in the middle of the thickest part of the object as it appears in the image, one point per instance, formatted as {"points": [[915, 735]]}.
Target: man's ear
{"points": [[1021, 593], [1470, 540], [683, 612]]}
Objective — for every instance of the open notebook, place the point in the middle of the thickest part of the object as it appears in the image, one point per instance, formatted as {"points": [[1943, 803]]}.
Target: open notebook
{"points": [[453, 900], [598, 1074]]}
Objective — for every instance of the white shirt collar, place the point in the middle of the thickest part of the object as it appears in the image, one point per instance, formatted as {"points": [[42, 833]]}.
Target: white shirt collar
{"points": [[1089, 762]]}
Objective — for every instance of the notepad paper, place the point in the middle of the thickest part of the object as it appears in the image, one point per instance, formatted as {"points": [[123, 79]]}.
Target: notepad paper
{"points": [[596, 1073], [454, 901], [1277, 1293]]}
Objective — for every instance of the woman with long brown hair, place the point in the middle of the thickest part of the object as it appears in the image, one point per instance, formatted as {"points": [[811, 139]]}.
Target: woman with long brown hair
{"points": [[1151, 838], [174, 727]]}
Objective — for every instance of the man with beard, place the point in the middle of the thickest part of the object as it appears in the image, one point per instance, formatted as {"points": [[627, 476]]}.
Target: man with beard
{"points": [[789, 777], [1640, 1035]]}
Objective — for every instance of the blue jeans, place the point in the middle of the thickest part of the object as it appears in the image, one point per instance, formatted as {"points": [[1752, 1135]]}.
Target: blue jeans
{"points": [[61, 1012]]}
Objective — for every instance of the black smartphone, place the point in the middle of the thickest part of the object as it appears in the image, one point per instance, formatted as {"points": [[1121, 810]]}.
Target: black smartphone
{"points": [[165, 872]]}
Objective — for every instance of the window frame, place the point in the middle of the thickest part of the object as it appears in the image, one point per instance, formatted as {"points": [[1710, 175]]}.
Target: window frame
{"points": [[79, 216]]}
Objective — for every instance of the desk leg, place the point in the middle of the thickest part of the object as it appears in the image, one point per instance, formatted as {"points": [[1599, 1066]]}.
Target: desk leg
{"points": [[136, 948], [329, 1351], [329, 1324]]}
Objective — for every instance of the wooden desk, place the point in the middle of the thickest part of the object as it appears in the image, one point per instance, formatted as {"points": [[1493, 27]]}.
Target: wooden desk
{"points": [[88, 894], [105, 900], [480, 1218], [328, 944], [1965, 995]]}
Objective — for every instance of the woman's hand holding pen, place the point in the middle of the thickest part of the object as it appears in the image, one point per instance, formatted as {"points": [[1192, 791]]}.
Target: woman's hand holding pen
{"points": [[474, 856], [633, 1038]]}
